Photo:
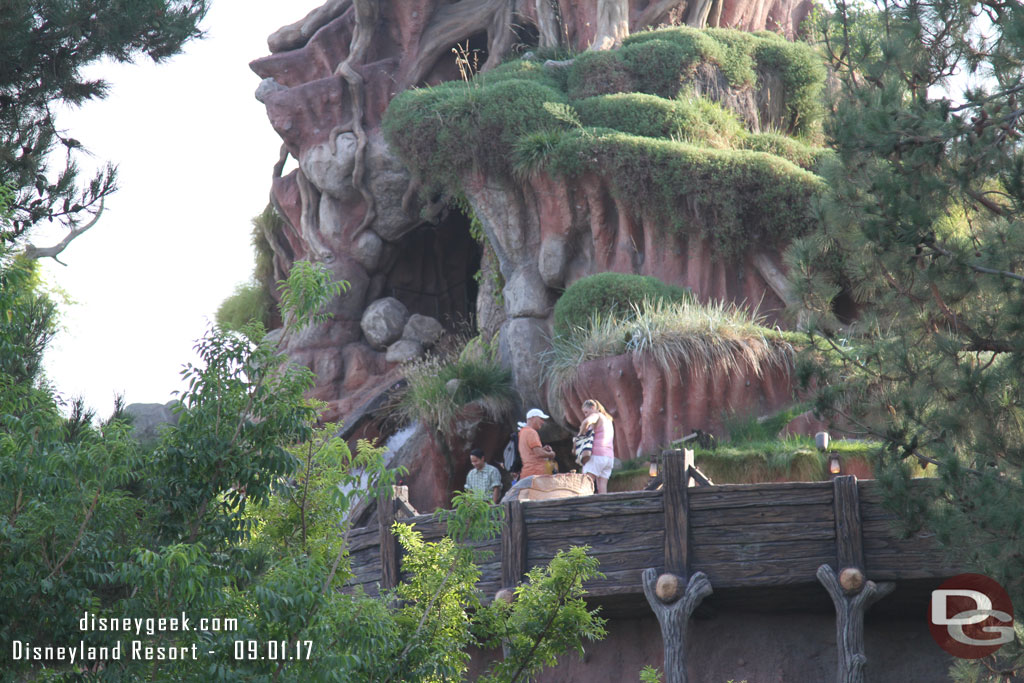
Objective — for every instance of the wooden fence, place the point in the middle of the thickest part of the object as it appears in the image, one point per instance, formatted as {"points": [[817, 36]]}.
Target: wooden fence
{"points": [[740, 536]]}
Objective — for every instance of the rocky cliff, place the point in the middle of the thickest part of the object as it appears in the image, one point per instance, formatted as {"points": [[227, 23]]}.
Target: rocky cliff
{"points": [[679, 153]]}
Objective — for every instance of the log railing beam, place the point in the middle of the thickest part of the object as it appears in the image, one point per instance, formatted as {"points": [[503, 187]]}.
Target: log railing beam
{"points": [[849, 533], [675, 468], [513, 545], [389, 560]]}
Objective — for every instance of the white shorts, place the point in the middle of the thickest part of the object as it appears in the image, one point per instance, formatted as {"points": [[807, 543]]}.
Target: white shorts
{"points": [[599, 466]]}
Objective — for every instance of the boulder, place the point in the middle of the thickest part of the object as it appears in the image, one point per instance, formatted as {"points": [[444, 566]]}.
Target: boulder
{"points": [[266, 88], [388, 180], [422, 329], [403, 351], [331, 173], [526, 295], [148, 419], [368, 249], [384, 321]]}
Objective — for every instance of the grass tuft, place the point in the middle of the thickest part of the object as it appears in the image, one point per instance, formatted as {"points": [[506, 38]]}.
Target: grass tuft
{"points": [[481, 381], [709, 337]]}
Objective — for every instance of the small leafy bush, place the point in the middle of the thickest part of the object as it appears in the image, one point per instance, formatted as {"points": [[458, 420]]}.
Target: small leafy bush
{"points": [[250, 302], [609, 294]]}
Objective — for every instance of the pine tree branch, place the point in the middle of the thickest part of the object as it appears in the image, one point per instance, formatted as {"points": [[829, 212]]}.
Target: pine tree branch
{"points": [[977, 268]]}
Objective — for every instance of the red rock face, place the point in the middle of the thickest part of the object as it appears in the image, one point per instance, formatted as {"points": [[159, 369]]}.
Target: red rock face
{"points": [[653, 407], [547, 233]]}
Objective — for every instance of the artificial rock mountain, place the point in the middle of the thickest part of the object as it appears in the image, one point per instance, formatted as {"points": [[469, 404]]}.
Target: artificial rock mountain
{"points": [[374, 214]]}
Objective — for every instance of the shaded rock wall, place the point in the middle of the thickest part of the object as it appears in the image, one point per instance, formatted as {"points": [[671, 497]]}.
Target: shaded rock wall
{"points": [[672, 404]]}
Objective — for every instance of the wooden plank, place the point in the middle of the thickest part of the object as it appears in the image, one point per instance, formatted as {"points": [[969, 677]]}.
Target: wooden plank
{"points": [[592, 507], [849, 539], [760, 495], [389, 559], [580, 531], [359, 532], [513, 544], [430, 529], [675, 490], [364, 541], [610, 562], [758, 515], [764, 533], [880, 536], [367, 572], [542, 553], [777, 572], [903, 564], [622, 582], [700, 556]]}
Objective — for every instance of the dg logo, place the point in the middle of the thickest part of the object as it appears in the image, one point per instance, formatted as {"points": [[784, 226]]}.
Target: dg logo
{"points": [[970, 616]]}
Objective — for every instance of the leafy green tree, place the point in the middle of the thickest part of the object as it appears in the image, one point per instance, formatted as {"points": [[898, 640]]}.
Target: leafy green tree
{"points": [[224, 519], [915, 278], [45, 46]]}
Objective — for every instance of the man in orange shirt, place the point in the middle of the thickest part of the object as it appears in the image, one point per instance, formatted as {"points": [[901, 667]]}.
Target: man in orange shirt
{"points": [[537, 458]]}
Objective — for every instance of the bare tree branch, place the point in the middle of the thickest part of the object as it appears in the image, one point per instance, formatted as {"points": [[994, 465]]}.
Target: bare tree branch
{"points": [[34, 252]]}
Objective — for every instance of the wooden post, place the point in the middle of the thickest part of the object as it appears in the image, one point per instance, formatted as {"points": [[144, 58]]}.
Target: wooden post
{"points": [[389, 563], [851, 606], [674, 618], [513, 545], [849, 537], [676, 500]]}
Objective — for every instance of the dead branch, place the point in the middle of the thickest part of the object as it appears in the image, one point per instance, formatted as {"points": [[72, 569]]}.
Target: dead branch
{"points": [[34, 252]]}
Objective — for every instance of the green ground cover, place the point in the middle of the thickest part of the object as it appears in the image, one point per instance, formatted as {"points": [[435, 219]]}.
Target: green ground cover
{"points": [[632, 116]]}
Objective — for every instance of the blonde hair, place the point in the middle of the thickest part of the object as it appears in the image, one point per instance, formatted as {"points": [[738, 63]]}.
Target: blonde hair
{"points": [[597, 404]]}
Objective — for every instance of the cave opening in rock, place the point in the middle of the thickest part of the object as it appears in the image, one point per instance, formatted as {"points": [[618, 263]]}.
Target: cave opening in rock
{"points": [[435, 272]]}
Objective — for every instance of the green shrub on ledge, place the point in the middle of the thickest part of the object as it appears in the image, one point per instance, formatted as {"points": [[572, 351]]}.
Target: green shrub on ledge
{"points": [[738, 196], [609, 294]]}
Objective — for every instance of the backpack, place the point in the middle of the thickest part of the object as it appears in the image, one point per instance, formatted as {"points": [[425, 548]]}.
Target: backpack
{"points": [[510, 457]]}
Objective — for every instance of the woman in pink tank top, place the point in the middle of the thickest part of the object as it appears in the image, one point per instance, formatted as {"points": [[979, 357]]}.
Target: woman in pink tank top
{"points": [[602, 458]]}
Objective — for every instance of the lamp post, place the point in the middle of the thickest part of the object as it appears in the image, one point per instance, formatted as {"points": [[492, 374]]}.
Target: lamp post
{"points": [[835, 461]]}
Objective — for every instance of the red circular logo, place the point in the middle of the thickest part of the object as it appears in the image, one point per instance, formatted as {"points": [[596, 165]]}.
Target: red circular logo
{"points": [[970, 616]]}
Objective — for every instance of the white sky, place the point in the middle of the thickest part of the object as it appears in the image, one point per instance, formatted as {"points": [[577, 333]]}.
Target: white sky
{"points": [[195, 153]]}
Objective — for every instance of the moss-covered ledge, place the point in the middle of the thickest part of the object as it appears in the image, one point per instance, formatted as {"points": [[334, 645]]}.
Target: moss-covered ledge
{"points": [[672, 119]]}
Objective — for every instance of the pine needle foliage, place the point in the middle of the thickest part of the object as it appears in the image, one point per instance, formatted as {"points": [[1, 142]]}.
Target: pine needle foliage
{"points": [[922, 229]]}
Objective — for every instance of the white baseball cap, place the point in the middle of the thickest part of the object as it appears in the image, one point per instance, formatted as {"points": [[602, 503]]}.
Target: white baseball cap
{"points": [[536, 412]]}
